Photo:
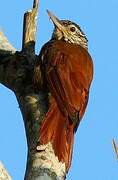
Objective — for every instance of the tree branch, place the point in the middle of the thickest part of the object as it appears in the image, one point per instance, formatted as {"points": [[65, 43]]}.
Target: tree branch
{"points": [[16, 73], [5, 46], [35, 3], [29, 28], [115, 148], [3, 173]]}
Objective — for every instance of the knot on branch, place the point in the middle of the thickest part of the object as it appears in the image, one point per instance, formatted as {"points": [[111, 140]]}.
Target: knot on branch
{"points": [[32, 106]]}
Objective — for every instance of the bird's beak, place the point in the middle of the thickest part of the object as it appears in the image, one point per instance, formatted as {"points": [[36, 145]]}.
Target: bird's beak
{"points": [[56, 21]]}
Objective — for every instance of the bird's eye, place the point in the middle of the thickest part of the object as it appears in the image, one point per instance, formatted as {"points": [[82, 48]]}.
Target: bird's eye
{"points": [[72, 29]]}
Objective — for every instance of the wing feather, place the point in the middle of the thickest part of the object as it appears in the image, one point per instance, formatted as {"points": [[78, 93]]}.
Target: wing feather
{"points": [[69, 72]]}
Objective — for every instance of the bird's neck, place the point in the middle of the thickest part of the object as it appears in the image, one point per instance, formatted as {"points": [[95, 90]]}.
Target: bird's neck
{"points": [[82, 42]]}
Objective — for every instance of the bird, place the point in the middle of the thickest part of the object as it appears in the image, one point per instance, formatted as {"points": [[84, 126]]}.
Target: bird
{"points": [[65, 68]]}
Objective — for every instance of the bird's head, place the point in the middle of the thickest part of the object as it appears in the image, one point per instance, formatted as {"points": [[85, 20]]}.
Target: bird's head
{"points": [[68, 31]]}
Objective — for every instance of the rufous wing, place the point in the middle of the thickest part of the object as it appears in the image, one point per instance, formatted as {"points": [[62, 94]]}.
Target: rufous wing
{"points": [[69, 72]]}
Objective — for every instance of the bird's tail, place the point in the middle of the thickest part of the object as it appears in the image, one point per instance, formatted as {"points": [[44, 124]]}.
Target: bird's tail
{"points": [[57, 130]]}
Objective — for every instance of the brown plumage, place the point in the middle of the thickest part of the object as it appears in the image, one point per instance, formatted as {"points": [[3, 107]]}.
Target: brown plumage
{"points": [[67, 69]]}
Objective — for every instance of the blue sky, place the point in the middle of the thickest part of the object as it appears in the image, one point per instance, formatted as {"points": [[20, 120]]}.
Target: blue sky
{"points": [[93, 156]]}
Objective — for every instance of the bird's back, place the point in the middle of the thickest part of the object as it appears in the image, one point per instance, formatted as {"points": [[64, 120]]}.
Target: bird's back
{"points": [[69, 71]]}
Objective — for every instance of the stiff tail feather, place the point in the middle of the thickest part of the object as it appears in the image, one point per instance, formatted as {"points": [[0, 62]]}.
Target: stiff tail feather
{"points": [[57, 130]]}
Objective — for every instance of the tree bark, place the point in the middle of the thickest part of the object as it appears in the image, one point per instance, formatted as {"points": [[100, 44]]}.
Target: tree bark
{"points": [[16, 72]]}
